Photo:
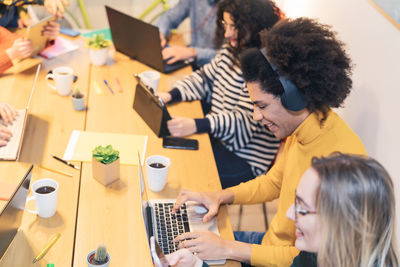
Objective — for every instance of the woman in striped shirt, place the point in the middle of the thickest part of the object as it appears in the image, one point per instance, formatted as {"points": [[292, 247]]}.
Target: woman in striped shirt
{"points": [[243, 148]]}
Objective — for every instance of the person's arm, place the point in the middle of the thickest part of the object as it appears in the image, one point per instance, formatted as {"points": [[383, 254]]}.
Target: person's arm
{"points": [[173, 17], [7, 39]]}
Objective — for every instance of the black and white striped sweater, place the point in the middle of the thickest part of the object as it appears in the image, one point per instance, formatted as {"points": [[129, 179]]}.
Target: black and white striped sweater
{"points": [[221, 83]]}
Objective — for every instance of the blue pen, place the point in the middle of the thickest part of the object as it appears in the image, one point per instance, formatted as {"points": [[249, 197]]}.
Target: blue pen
{"points": [[109, 87]]}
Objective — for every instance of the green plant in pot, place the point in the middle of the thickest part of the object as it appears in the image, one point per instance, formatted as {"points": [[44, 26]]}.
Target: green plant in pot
{"points": [[105, 164], [98, 257], [98, 49], [78, 99]]}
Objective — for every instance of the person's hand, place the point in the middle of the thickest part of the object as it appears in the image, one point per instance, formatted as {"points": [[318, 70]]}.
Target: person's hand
{"points": [[205, 245], [24, 22], [165, 97], [175, 53], [211, 200], [183, 258], [163, 39], [5, 135], [179, 126], [55, 7], [51, 30], [21, 48], [7, 113]]}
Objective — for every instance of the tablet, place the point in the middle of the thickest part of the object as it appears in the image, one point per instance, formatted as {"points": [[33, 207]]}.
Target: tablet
{"points": [[34, 33]]}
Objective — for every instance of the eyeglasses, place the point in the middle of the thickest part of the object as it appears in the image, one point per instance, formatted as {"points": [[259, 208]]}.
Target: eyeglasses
{"points": [[298, 210], [226, 25]]}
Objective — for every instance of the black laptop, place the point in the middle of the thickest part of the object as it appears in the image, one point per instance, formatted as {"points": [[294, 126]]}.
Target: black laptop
{"points": [[11, 215], [139, 40]]}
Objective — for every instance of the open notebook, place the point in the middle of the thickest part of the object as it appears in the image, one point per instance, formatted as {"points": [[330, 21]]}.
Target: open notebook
{"points": [[12, 150]]}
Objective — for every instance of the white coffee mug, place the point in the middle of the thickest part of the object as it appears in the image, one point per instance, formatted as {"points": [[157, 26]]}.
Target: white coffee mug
{"points": [[63, 77], [157, 172], [150, 78], [45, 194]]}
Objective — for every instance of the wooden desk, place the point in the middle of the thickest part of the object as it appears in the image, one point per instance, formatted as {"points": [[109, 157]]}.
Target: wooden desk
{"points": [[89, 214]]}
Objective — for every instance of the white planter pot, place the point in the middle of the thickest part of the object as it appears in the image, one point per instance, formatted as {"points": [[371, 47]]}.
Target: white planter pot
{"points": [[98, 56], [93, 265]]}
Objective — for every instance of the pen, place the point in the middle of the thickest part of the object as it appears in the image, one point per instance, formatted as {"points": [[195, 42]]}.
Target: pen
{"points": [[56, 171], [66, 162], [46, 248], [109, 87]]}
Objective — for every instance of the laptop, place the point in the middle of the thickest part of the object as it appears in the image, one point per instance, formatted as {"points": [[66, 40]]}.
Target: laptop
{"points": [[12, 150], [151, 109], [139, 40], [11, 215], [164, 226]]}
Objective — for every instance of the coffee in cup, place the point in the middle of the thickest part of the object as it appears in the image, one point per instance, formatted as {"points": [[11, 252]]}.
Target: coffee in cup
{"points": [[63, 77], [157, 172], [45, 195]]}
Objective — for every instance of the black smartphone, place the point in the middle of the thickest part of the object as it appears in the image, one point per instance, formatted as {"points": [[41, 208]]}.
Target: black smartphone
{"points": [[157, 254], [69, 32], [180, 143]]}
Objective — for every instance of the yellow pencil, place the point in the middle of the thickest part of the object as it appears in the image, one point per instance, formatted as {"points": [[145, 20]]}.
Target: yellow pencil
{"points": [[46, 248], [56, 171]]}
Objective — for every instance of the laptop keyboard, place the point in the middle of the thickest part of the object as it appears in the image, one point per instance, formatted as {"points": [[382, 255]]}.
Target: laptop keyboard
{"points": [[10, 151], [170, 225]]}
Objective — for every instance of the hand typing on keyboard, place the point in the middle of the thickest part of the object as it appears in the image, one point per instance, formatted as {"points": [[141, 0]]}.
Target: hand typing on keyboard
{"points": [[7, 115]]}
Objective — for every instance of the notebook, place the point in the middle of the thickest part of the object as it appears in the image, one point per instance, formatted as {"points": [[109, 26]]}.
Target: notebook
{"points": [[139, 40], [11, 215], [159, 221], [12, 150]]}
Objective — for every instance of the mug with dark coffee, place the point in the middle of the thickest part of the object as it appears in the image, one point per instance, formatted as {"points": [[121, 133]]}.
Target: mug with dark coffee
{"points": [[45, 194], [63, 77], [157, 172]]}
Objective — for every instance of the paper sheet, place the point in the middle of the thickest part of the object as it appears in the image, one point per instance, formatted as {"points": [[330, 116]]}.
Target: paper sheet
{"points": [[81, 144], [60, 47]]}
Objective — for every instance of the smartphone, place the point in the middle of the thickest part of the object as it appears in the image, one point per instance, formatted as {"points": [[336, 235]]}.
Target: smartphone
{"points": [[69, 32], [157, 254], [180, 143]]}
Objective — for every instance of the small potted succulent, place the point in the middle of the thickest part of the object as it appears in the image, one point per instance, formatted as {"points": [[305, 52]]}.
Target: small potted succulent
{"points": [[98, 49], [78, 99], [99, 257], [105, 163]]}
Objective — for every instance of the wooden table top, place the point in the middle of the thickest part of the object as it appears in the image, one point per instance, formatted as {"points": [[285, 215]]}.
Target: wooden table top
{"points": [[88, 213]]}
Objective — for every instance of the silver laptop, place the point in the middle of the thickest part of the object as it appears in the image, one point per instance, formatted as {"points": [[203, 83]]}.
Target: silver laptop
{"points": [[12, 150], [159, 221], [11, 215]]}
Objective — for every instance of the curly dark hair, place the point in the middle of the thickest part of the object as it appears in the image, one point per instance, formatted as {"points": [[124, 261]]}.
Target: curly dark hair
{"points": [[250, 17], [308, 54]]}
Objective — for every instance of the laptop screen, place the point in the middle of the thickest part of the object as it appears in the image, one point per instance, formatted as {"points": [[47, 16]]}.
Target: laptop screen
{"points": [[11, 215]]}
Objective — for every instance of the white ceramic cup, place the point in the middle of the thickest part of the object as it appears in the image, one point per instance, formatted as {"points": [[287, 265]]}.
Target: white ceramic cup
{"points": [[157, 177], [46, 203], [63, 77], [150, 78]]}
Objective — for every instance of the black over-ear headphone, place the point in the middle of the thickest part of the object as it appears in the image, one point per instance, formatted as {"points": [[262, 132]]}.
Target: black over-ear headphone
{"points": [[292, 99]]}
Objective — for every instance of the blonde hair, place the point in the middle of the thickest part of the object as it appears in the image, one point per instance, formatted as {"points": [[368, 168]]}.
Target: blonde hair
{"points": [[357, 208]]}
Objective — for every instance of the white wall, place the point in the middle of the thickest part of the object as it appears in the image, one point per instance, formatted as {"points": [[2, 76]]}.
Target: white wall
{"points": [[372, 110]]}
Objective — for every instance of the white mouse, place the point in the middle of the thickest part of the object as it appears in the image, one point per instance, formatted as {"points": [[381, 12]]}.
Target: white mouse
{"points": [[199, 209]]}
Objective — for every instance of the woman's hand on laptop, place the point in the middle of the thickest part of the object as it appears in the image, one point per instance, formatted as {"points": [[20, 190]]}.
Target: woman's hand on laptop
{"points": [[51, 30], [7, 113], [5, 135], [183, 258], [21, 48], [210, 200], [176, 53], [180, 127], [165, 97]]}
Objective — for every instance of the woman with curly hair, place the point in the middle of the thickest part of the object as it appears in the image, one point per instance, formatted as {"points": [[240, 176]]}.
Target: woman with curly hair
{"points": [[243, 148], [344, 213], [301, 72]]}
